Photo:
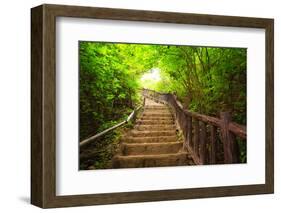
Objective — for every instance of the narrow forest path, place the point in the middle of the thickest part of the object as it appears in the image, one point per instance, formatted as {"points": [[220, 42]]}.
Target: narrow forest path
{"points": [[153, 142]]}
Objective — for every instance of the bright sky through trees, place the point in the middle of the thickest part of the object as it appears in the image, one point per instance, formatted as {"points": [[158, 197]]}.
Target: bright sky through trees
{"points": [[152, 77]]}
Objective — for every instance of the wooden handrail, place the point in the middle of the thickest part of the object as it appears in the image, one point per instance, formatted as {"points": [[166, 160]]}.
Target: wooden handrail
{"points": [[193, 126], [237, 129], [92, 138]]}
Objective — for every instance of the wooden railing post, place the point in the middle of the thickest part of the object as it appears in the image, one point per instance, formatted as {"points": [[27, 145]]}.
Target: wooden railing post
{"points": [[202, 142], [196, 137], [229, 144], [213, 131], [189, 132]]}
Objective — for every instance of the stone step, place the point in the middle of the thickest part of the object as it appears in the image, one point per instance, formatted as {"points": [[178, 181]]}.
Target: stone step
{"points": [[155, 107], [157, 110], [156, 118], [157, 139], [166, 113], [137, 161], [153, 142], [155, 127], [150, 148], [149, 133], [156, 122], [152, 114]]}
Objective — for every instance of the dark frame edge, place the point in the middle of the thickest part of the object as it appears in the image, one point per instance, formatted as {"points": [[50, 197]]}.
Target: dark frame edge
{"points": [[43, 110], [37, 189], [155, 16], [269, 119], [156, 196]]}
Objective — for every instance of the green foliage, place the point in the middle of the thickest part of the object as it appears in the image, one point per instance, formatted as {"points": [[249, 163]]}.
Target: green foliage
{"points": [[101, 151], [109, 82], [205, 79], [109, 91]]}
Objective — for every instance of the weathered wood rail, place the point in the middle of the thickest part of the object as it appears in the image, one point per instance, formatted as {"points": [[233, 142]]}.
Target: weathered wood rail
{"points": [[203, 133], [93, 138]]}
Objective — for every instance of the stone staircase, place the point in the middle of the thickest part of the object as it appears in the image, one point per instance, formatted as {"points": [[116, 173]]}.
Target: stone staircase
{"points": [[153, 142]]}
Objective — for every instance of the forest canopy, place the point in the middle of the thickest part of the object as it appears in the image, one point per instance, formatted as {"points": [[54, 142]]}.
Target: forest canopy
{"points": [[207, 80]]}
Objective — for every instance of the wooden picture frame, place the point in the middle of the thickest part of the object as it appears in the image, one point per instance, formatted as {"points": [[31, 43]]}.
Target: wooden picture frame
{"points": [[43, 105]]}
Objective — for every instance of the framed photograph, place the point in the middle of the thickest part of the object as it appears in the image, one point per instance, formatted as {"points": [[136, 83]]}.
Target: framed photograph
{"points": [[136, 106]]}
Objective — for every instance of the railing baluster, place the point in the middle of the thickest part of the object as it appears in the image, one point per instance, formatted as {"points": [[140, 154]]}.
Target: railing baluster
{"points": [[213, 133], [189, 132], [202, 142], [235, 150], [196, 137], [229, 144]]}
